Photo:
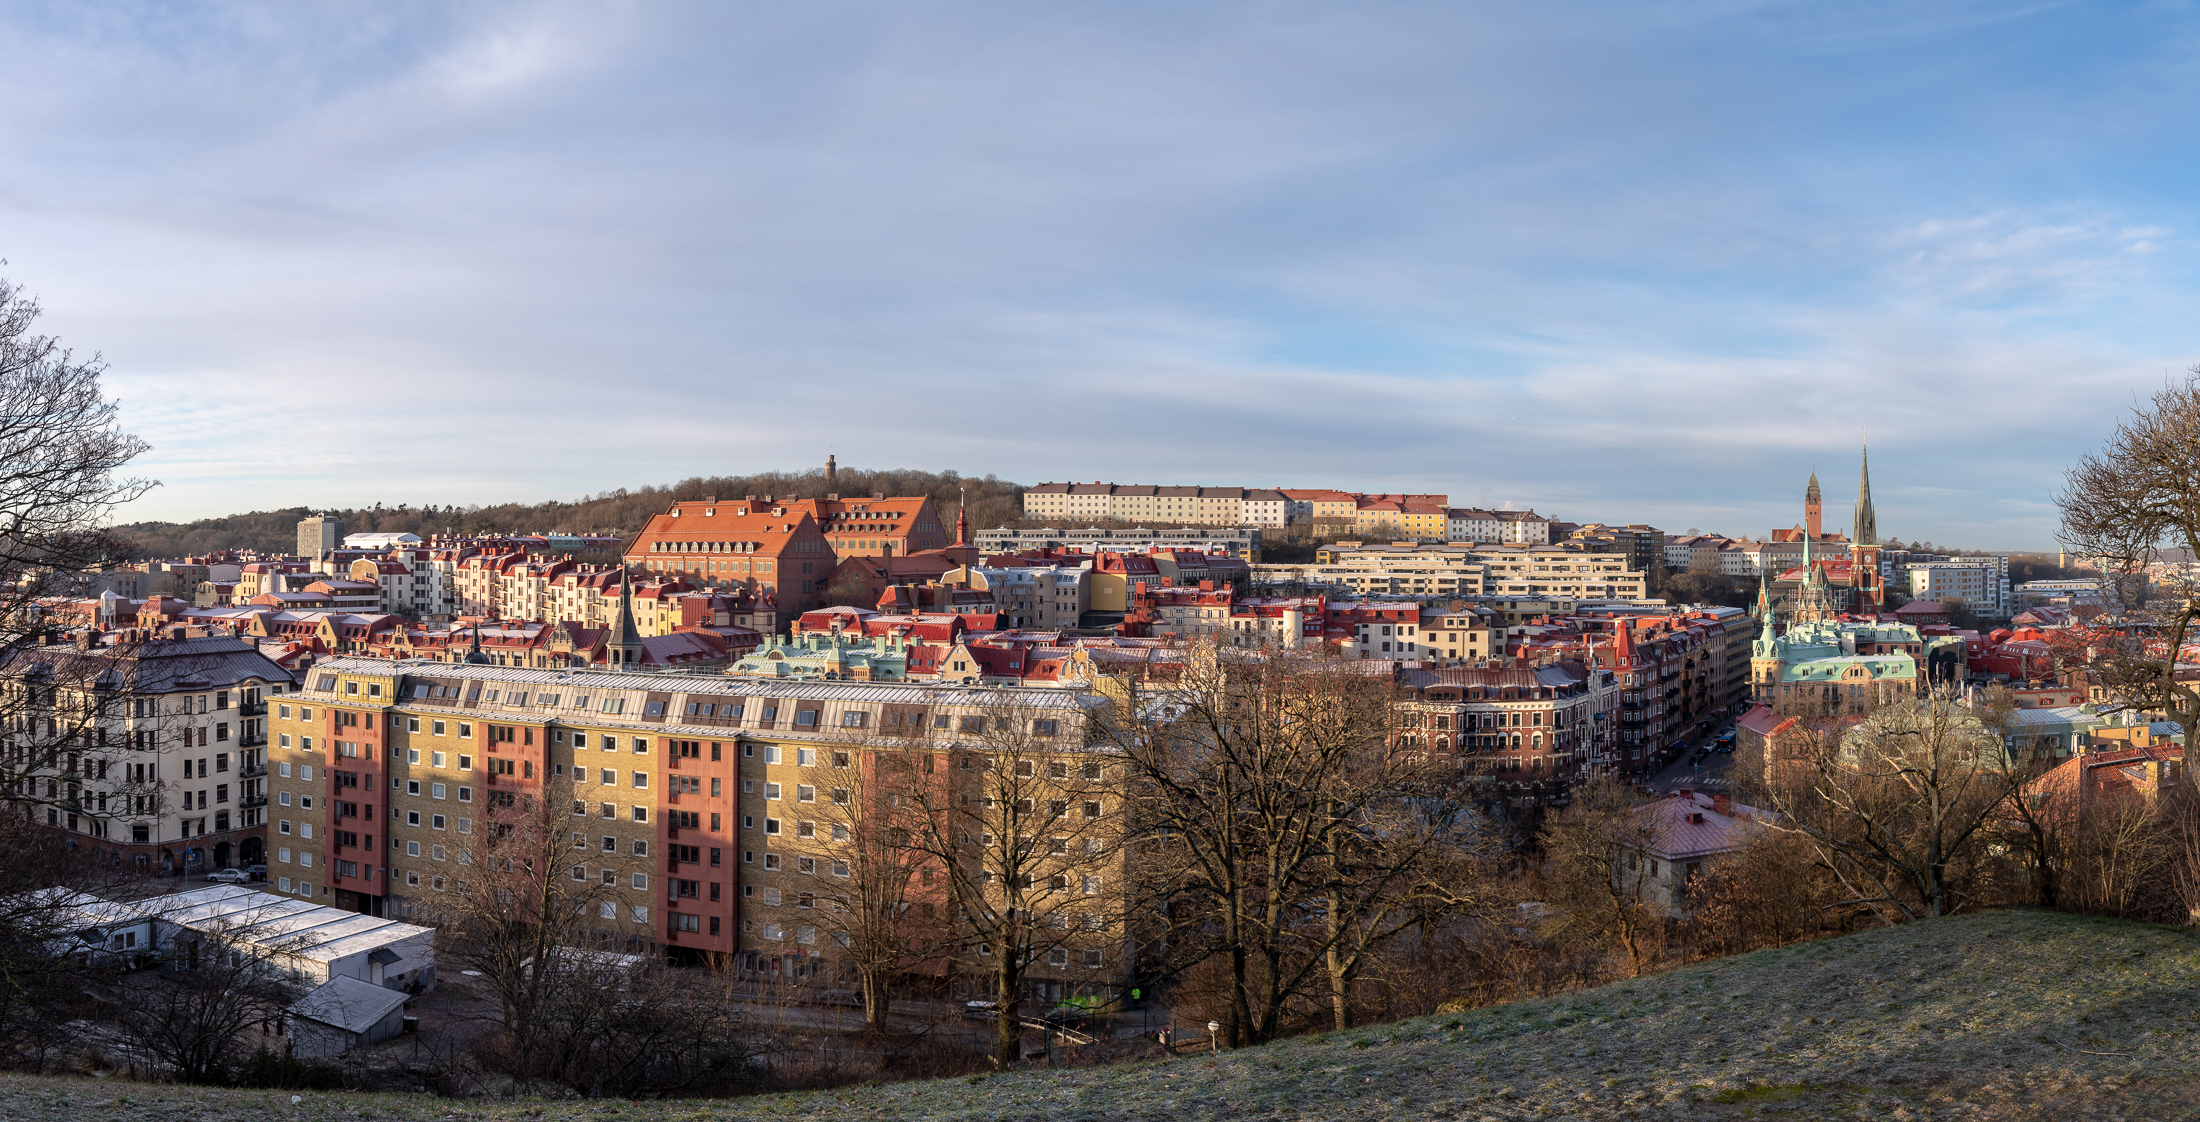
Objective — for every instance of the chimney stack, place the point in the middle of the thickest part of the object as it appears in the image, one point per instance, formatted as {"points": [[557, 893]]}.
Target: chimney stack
{"points": [[1723, 803]]}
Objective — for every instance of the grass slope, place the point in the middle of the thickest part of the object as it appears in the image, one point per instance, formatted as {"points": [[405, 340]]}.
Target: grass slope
{"points": [[1991, 1016]]}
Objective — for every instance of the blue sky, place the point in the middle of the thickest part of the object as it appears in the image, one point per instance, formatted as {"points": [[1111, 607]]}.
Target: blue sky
{"points": [[1617, 262]]}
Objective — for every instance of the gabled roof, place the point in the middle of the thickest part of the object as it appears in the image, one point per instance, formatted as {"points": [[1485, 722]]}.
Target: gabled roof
{"points": [[347, 1003]]}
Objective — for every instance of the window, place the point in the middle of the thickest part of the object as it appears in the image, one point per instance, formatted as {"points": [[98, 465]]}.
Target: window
{"points": [[436, 790], [805, 718], [1045, 727], [641, 880], [805, 757], [641, 746], [436, 727], [1092, 808], [805, 794], [771, 825], [465, 794], [282, 826], [1092, 886], [806, 865], [412, 786], [412, 849], [853, 719], [1092, 958], [771, 790], [840, 759]]}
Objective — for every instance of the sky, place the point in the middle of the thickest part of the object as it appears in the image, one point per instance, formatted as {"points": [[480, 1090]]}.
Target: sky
{"points": [[1615, 262]]}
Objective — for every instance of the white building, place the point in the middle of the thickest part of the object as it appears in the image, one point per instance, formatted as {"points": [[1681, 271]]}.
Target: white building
{"points": [[379, 541], [1516, 527], [312, 942], [1980, 582]]}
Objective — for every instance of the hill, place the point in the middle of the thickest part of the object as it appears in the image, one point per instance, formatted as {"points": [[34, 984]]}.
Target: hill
{"points": [[2006, 1015], [992, 502]]}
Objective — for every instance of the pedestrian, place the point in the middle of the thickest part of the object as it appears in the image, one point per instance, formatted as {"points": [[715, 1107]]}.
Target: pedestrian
{"points": [[1163, 1035]]}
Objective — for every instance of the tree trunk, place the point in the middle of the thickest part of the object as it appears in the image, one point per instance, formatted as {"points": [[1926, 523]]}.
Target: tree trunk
{"points": [[878, 1000], [1008, 1032], [1340, 980]]}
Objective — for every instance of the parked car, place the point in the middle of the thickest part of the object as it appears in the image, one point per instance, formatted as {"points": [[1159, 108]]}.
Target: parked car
{"points": [[984, 1010], [256, 872], [228, 876]]}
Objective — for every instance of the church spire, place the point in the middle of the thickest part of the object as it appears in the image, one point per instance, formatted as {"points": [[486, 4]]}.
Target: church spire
{"points": [[625, 641], [1867, 520]]}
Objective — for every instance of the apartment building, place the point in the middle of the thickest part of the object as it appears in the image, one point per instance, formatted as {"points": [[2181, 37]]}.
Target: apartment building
{"points": [[319, 534], [1207, 506], [711, 803], [768, 548], [1329, 509], [1524, 732], [1519, 527], [149, 748], [1981, 582], [1468, 569], [1402, 517], [1242, 542]]}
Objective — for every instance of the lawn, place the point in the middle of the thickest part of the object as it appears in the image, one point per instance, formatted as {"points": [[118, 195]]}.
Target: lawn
{"points": [[2000, 1016]]}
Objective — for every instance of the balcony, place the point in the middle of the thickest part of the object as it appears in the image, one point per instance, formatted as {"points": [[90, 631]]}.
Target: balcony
{"points": [[252, 709], [252, 771], [252, 801], [252, 740]]}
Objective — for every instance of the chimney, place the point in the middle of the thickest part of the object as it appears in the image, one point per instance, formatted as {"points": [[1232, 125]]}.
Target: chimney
{"points": [[1695, 817], [1723, 803]]}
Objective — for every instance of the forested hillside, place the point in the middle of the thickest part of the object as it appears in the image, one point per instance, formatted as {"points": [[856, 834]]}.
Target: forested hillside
{"points": [[992, 502]]}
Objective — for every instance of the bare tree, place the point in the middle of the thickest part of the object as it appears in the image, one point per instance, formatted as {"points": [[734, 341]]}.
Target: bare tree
{"points": [[2121, 508], [60, 450], [1584, 847], [540, 914], [1265, 782], [1026, 828], [1895, 802], [891, 911]]}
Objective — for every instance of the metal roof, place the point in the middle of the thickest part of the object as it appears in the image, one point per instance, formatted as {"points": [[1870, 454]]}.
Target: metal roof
{"points": [[731, 687], [278, 924]]}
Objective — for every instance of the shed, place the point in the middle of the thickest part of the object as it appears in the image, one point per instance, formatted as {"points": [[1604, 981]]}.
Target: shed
{"points": [[343, 1014]]}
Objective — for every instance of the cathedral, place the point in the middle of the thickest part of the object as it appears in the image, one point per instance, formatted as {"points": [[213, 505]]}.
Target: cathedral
{"points": [[1839, 573]]}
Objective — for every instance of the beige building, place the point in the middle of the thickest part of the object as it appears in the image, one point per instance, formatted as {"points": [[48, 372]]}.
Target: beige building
{"points": [[1144, 503], [710, 803]]}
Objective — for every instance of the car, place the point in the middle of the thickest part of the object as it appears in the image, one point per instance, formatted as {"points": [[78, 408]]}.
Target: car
{"points": [[228, 876], [256, 872], [983, 1010]]}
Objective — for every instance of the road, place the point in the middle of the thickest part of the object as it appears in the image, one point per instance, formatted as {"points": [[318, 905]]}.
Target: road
{"points": [[1684, 771]]}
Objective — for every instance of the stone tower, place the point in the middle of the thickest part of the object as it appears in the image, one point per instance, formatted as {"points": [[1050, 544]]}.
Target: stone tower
{"points": [[1813, 525]]}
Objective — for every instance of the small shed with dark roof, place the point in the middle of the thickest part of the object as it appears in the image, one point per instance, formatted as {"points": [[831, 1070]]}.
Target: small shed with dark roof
{"points": [[343, 1014]]}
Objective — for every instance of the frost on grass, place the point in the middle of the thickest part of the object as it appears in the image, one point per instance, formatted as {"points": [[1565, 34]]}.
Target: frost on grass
{"points": [[2000, 1012]]}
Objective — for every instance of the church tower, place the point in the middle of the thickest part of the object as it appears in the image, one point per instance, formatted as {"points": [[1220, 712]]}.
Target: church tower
{"points": [[1766, 652], [1864, 579], [1813, 524]]}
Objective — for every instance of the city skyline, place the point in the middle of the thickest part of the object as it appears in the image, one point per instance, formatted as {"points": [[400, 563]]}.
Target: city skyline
{"points": [[1612, 264]]}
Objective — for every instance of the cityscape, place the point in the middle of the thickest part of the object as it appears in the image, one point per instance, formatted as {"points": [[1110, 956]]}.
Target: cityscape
{"points": [[1287, 564]]}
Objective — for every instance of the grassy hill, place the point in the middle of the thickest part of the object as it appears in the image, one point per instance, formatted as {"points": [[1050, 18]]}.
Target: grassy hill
{"points": [[2011, 1015]]}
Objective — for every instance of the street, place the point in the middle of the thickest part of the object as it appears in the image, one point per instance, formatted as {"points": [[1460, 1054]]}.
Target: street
{"points": [[1685, 771]]}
